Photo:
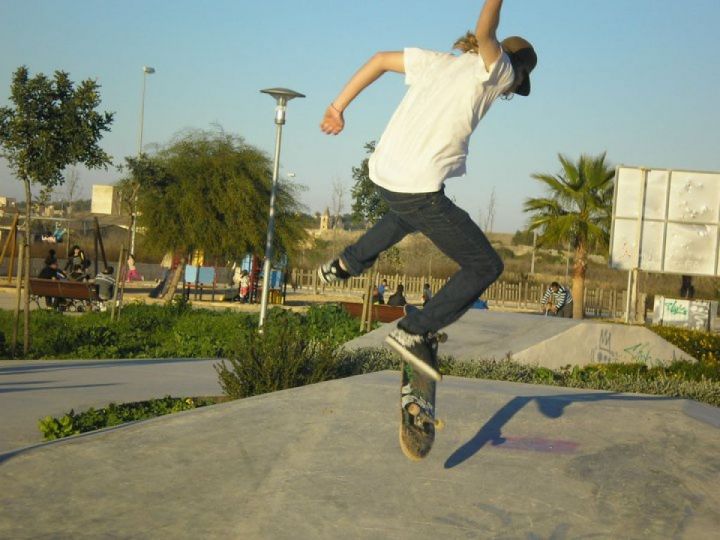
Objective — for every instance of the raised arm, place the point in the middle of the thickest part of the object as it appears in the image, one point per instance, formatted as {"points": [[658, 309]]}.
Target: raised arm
{"points": [[333, 121], [485, 31]]}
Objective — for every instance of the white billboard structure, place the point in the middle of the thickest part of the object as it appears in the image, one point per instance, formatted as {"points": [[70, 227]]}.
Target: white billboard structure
{"points": [[666, 221], [105, 200]]}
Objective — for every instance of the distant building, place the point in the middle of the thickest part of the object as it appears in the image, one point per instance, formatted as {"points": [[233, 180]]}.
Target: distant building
{"points": [[8, 203], [328, 222], [105, 200], [325, 220], [48, 210]]}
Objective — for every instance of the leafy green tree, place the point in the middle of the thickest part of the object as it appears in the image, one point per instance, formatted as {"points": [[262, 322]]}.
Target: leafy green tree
{"points": [[210, 190], [52, 124], [576, 212], [367, 204]]}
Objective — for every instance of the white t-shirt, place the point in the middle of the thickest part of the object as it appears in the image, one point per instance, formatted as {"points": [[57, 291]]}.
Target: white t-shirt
{"points": [[426, 140]]}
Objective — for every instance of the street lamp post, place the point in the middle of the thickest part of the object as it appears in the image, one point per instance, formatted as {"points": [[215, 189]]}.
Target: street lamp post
{"points": [[282, 96], [147, 70]]}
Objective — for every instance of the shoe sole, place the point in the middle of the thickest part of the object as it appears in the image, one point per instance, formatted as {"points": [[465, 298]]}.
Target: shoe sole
{"points": [[413, 360], [321, 277], [327, 281]]}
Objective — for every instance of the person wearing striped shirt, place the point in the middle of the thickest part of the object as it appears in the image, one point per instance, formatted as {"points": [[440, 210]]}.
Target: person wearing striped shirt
{"points": [[557, 300]]}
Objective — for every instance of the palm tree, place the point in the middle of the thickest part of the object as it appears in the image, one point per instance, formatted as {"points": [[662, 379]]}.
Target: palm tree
{"points": [[576, 212]]}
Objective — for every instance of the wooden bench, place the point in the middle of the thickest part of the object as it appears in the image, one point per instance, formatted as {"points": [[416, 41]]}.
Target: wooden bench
{"points": [[79, 293], [380, 312]]}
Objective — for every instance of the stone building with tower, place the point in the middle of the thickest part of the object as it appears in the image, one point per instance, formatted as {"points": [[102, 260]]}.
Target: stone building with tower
{"points": [[328, 222]]}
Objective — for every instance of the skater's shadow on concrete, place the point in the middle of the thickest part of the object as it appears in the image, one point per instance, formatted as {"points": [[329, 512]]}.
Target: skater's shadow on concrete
{"points": [[551, 406]]}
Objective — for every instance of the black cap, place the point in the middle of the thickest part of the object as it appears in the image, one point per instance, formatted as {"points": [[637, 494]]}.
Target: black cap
{"points": [[523, 59]]}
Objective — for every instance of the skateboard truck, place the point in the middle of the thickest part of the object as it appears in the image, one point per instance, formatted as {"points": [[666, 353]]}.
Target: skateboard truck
{"points": [[439, 337], [422, 417], [417, 407]]}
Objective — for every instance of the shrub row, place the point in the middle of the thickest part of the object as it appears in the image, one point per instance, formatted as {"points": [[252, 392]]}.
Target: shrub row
{"points": [[259, 371], [152, 331], [73, 423], [679, 380], [701, 345]]}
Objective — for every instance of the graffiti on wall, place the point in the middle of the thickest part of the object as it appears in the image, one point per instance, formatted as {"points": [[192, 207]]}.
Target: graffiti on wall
{"points": [[604, 353], [680, 312]]}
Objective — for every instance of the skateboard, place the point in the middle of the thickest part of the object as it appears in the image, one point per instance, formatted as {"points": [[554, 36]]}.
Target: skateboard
{"points": [[417, 405]]}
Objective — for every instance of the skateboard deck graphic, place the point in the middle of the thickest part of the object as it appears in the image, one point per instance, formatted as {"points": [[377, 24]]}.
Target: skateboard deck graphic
{"points": [[417, 406]]}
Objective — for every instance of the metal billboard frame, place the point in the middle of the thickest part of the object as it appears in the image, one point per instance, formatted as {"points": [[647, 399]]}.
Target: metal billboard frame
{"points": [[642, 220]]}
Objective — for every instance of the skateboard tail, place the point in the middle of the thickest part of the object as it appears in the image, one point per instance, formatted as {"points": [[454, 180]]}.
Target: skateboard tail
{"points": [[415, 444], [421, 366]]}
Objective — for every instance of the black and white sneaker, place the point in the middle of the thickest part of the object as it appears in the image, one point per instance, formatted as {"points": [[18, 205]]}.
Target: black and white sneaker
{"points": [[332, 272], [416, 350]]}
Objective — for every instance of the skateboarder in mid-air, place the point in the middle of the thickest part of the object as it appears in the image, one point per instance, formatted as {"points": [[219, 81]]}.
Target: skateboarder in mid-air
{"points": [[425, 143]]}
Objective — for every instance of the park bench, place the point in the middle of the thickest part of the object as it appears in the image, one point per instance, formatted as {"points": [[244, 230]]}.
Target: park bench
{"points": [[77, 295], [380, 312]]}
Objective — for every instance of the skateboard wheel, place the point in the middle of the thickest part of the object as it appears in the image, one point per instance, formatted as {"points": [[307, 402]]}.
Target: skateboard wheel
{"points": [[413, 408], [439, 424]]}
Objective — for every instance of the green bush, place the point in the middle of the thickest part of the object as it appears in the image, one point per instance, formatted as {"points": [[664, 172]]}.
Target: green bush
{"points": [[50, 332], [368, 360], [680, 379], [331, 322], [204, 334], [285, 355], [152, 331], [93, 419]]}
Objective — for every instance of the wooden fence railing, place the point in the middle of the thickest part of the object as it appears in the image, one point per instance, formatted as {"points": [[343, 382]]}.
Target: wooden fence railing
{"points": [[599, 302]]}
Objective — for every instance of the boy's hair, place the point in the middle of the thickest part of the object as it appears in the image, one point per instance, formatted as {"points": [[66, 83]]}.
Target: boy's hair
{"points": [[520, 51], [467, 43]]}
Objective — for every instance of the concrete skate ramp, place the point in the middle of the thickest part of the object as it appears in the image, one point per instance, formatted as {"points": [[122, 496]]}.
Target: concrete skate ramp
{"points": [[546, 341], [323, 461], [600, 343]]}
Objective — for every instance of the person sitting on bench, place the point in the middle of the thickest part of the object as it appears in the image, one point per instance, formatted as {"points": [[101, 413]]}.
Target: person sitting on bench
{"points": [[77, 264], [51, 271], [105, 282], [397, 299]]}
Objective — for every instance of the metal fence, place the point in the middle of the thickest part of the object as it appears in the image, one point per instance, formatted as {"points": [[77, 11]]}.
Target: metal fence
{"points": [[525, 295]]}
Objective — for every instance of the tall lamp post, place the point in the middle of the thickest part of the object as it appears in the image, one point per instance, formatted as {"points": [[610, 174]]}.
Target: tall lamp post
{"points": [[147, 70], [282, 96]]}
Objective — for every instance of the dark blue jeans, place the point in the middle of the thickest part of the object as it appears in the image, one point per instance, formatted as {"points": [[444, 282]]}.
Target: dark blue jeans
{"points": [[453, 232]]}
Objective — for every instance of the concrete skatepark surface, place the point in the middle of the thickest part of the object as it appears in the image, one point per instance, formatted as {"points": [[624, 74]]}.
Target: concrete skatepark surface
{"points": [[548, 341], [323, 461]]}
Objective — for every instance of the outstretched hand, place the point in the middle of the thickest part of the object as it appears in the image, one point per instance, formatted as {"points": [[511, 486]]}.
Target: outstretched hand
{"points": [[333, 121]]}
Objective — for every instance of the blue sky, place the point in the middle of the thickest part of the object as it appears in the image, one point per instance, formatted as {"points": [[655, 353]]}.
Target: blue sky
{"points": [[635, 78]]}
